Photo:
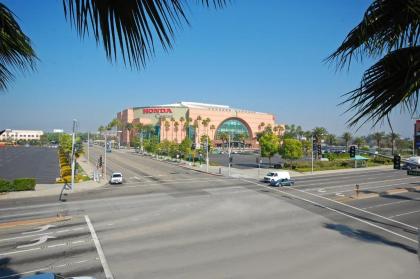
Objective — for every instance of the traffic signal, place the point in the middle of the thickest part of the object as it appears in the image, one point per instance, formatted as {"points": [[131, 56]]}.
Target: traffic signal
{"points": [[193, 146], [319, 150], [397, 162], [352, 151], [100, 161], [230, 159]]}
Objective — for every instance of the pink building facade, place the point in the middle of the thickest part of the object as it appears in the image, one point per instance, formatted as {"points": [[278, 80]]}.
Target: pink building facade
{"points": [[174, 122]]}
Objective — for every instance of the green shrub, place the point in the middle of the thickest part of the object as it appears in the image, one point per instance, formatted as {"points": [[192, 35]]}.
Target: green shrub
{"points": [[5, 186], [24, 184]]}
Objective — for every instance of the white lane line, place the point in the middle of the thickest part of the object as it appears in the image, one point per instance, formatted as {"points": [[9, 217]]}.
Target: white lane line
{"points": [[20, 251], [101, 254], [337, 211], [39, 234], [389, 203], [78, 241], [356, 208], [128, 185], [322, 190], [405, 213], [56, 245], [361, 183]]}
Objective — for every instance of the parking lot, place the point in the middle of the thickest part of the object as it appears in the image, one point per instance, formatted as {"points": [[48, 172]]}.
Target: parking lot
{"points": [[40, 163], [60, 245]]}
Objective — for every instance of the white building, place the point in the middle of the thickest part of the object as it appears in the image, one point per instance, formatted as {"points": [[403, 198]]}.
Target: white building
{"points": [[15, 135]]}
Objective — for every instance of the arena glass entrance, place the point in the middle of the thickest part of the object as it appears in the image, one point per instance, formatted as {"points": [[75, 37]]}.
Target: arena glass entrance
{"points": [[236, 128]]}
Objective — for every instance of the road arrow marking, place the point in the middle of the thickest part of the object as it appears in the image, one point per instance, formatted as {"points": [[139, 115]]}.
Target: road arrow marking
{"points": [[339, 194], [39, 241], [322, 190], [40, 229]]}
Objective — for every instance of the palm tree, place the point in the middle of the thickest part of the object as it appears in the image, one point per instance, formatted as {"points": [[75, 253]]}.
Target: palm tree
{"points": [[347, 138], [392, 138], [224, 137], [172, 121], [182, 120], [167, 125], [331, 139], [206, 123], [197, 125], [176, 128], [359, 141], [378, 137], [130, 29], [16, 52], [319, 134], [261, 126], [212, 128], [129, 127], [101, 129], [390, 31]]}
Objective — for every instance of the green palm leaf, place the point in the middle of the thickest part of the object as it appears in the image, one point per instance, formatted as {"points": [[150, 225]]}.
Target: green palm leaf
{"points": [[130, 27], [387, 25], [394, 80], [16, 53]]}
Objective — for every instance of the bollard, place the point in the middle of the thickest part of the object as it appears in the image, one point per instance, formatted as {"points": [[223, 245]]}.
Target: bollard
{"points": [[357, 187], [220, 170]]}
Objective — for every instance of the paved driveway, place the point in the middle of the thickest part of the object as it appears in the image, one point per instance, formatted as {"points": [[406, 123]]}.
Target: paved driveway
{"points": [[38, 162]]}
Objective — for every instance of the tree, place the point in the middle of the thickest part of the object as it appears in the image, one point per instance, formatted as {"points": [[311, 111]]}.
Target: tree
{"points": [[167, 125], [359, 141], [241, 138], [129, 127], [212, 128], [206, 123], [319, 134], [176, 128], [347, 138], [392, 137], [331, 139], [291, 149], [185, 147], [378, 137], [261, 126], [130, 29], [224, 137], [269, 144], [181, 121], [172, 121], [390, 31]]}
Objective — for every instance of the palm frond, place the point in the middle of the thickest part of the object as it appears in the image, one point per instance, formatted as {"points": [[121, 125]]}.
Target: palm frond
{"points": [[16, 53], [130, 27], [392, 81], [387, 25]]}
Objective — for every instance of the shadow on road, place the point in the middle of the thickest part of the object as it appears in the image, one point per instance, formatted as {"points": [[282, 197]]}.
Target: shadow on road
{"points": [[367, 236], [5, 271]]}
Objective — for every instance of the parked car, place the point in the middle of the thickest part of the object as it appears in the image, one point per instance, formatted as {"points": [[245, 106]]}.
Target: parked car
{"points": [[276, 175], [116, 178], [282, 182]]}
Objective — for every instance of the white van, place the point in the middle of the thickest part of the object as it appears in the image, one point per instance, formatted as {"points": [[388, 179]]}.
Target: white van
{"points": [[276, 175]]}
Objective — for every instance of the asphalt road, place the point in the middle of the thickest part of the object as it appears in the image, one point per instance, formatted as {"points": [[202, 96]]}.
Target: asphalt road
{"points": [[40, 163], [171, 222]]}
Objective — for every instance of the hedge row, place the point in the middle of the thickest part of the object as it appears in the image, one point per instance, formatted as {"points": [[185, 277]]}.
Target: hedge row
{"points": [[20, 184]]}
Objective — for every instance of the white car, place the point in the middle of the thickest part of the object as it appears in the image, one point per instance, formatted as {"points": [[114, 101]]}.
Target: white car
{"points": [[276, 175], [116, 178]]}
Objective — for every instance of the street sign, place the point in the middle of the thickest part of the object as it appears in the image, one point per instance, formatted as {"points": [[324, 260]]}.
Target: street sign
{"points": [[413, 172]]}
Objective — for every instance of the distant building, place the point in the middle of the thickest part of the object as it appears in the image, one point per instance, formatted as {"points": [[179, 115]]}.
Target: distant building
{"points": [[15, 135], [58, 131], [174, 122]]}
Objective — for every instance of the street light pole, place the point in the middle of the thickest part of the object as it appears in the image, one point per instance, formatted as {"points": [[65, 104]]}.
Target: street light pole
{"points": [[229, 154], [88, 153], [207, 154]]}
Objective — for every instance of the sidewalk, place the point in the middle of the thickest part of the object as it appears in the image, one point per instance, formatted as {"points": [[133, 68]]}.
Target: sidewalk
{"points": [[42, 190]]}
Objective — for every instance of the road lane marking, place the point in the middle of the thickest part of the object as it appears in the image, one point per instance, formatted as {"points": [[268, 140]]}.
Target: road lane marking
{"points": [[356, 208], [347, 185], [31, 221], [322, 190], [20, 251], [389, 203], [406, 213], [101, 254], [339, 212], [340, 194], [56, 245], [40, 229], [40, 234], [39, 241]]}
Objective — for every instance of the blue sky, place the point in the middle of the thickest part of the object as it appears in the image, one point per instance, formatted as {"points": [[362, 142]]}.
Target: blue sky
{"points": [[257, 55]]}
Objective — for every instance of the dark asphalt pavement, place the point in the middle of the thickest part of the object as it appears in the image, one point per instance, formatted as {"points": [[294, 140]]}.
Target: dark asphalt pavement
{"points": [[40, 163]]}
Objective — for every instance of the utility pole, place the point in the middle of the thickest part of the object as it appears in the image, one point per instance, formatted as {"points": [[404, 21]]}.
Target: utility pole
{"points": [[73, 157], [105, 145], [207, 153]]}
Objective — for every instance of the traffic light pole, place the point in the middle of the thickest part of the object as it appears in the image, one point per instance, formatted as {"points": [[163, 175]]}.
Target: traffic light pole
{"points": [[312, 157], [207, 154], [73, 157]]}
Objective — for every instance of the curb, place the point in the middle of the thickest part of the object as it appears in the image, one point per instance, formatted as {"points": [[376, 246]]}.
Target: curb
{"points": [[390, 192]]}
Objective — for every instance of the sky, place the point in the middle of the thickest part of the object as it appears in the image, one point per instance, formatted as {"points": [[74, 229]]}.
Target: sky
{"points": [[257, 55]]}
